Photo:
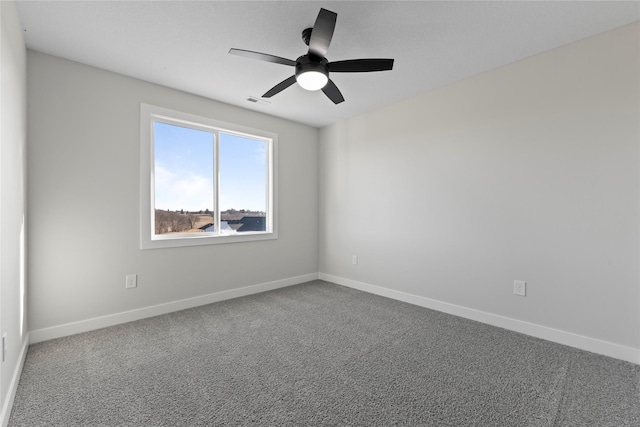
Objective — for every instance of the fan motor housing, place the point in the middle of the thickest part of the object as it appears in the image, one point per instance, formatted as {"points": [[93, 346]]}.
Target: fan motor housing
{"points": [[306, 35], [312, 63]]}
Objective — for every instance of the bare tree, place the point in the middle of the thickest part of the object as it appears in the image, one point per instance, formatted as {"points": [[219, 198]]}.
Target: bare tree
{"points": [[178, 223], [192, 219], [170, 222], [162, 221]]}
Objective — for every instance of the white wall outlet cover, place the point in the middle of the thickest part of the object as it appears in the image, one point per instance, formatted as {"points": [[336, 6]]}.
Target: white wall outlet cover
{"points": [[131, 281], [4, 347], [520, 288]]}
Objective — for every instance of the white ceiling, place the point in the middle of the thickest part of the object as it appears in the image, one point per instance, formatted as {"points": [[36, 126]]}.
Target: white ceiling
{"points": [[185, 44]]}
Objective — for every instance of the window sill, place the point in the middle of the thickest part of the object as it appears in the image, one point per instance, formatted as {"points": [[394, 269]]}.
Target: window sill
{"points": [[181, 240]]}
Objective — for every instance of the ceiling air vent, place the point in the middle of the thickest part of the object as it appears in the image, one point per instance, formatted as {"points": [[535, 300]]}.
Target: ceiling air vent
{"points": [[256, 100]]}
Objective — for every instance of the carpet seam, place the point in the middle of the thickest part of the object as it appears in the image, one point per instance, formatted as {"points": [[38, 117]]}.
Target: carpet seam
{"points": [[563, 393]]}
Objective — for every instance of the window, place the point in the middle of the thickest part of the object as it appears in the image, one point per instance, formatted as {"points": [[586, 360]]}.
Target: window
{"points": [[204, 181]]}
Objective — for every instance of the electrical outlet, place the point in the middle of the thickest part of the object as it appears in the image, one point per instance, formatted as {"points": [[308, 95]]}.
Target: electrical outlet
{"points": [[4, 346], [520, 288], [131, 281], [354, 259]]}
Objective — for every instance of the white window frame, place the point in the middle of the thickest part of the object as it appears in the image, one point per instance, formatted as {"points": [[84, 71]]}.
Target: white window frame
{"points": [[149, 114]]}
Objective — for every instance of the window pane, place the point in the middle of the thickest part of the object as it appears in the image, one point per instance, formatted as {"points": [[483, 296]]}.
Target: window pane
{"points": [[183, 173], [243, 184]]}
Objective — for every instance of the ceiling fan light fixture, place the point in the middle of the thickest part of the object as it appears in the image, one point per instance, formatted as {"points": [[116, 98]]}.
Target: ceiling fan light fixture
{"points": [[312, 80], [312, 73]]}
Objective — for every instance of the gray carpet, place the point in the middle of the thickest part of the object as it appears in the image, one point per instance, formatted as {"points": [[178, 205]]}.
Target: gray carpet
{"points": [[319, 354]]}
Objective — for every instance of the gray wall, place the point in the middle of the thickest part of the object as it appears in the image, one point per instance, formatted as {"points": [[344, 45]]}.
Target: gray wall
{"points": [[13, 116], [528, 172], [84, 130]]}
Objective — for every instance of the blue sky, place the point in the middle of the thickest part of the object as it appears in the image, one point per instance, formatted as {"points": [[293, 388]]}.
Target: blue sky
{"points": [[184, 170]]}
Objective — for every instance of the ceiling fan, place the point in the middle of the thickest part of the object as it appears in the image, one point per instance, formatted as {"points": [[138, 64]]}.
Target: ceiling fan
{"points": [[312, 69]]}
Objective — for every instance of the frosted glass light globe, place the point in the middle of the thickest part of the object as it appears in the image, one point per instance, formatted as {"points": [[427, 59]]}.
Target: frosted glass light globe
{"points": [[312, 80]]}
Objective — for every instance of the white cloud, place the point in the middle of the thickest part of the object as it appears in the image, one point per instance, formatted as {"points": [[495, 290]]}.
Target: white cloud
{"points": [[189, 191]]}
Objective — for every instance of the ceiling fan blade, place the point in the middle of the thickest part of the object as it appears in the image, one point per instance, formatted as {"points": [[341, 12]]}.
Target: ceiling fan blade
{"points": [[332, 92], [262, 57], [322, 32], [280, 87], [361, 65]]}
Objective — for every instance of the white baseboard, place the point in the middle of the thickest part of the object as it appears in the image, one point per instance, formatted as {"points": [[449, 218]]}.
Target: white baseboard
{"points": [[582, 342], [13, 387], [59, 331]]}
